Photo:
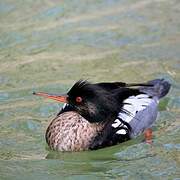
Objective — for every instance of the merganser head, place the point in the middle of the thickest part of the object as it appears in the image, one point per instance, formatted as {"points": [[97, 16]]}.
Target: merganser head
{"points": [[91, 101]]}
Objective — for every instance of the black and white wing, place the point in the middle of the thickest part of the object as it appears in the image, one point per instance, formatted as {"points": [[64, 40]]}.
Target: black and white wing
{"points": [[138, 113]]}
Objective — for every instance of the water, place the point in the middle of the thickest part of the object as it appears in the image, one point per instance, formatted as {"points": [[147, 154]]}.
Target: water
{"points": [[48, 45]]}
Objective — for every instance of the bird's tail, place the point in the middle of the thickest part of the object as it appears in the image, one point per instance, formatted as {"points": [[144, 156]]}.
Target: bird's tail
{"points": [[158, 88]]}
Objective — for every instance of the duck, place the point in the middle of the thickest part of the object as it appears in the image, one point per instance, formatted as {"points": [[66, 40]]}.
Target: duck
{"points": [[99, 115]]}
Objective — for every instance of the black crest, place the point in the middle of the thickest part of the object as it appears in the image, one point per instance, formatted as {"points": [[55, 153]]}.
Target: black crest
{"points": [[79, 85]]}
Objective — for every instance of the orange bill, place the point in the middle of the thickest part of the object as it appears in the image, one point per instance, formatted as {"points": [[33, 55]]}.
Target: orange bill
{"points": [[60, 98]]}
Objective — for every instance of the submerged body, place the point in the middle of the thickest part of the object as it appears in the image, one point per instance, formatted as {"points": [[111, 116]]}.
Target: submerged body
{"points": [[103, 114]]}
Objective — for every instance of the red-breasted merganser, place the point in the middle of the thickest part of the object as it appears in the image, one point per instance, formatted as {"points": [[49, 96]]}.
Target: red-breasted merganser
{"points": [[103, 114]]}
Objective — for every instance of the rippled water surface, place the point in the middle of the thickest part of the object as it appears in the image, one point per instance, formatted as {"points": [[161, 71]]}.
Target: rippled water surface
{"points": [[48, 45]]}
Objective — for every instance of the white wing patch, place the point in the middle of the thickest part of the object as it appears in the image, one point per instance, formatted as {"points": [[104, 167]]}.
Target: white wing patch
{"points": [[121, 131], [132, 105], [116, 123]]}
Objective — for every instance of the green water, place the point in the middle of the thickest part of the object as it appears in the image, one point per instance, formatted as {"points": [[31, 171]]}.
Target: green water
{"points": [[48, 45]]}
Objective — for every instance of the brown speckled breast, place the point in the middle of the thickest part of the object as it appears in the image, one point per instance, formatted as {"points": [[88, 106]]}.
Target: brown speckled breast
{"points": [[71, 132]]}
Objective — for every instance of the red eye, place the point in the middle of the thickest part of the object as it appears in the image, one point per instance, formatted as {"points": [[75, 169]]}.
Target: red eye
{"points": [[78, 99]]}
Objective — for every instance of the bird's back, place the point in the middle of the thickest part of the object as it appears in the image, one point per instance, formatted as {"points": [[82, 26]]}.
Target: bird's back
{"points": [[158, 89], [143, 119]]}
